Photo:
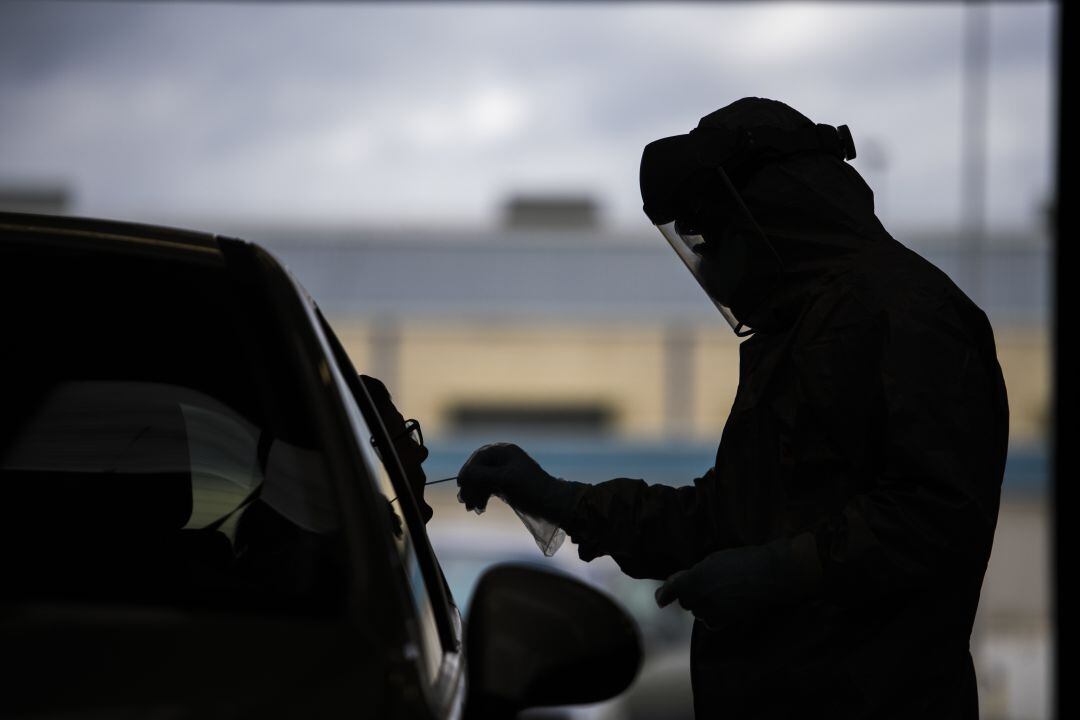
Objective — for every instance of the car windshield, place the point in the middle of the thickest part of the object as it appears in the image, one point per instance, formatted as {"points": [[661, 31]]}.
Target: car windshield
{"points": [[154, 449]]}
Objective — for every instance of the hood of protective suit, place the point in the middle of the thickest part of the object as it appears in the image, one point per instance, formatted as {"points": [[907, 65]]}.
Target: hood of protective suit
{"points": [[815, 209]]}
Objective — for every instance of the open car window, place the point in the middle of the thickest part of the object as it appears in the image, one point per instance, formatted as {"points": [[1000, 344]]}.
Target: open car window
{"points": [[422, 577]]}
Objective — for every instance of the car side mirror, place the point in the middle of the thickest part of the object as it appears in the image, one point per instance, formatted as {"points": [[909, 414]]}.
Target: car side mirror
{"points": [[535, 638]]}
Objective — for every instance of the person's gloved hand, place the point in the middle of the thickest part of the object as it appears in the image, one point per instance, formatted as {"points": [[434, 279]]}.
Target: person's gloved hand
{"points": [[506, 470], [735, 585]]}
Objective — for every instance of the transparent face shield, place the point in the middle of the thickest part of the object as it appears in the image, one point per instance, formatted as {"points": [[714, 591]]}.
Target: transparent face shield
{"points": [[687, 247], [736, 251]]}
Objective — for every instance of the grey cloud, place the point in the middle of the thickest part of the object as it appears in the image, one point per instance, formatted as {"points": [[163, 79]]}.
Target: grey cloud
{"points": [[322, 111]]}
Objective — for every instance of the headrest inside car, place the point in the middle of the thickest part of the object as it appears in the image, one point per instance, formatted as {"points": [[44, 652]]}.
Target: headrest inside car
{"points": [[101, 455]]}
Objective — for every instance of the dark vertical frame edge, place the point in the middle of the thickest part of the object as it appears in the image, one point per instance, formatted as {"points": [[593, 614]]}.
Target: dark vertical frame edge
{"points": [[1061, 255]]}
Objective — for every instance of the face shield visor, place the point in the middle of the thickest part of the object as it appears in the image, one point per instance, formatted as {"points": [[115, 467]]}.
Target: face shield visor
{"points": [[692, 201], [691, 250]]}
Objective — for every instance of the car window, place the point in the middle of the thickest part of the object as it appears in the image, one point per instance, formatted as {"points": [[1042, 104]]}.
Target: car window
{"points": [[153, 450], [404, 523]]}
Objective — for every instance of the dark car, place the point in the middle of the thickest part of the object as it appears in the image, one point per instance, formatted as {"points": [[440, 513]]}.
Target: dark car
{"points": [[204, 516]]}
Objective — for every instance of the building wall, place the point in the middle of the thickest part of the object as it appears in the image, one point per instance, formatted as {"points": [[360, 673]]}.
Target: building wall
{"points": [[1025, 357], [441, 366]]}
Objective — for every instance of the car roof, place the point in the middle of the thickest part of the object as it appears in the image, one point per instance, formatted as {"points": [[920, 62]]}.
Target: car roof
{"points": [[117, 235]]}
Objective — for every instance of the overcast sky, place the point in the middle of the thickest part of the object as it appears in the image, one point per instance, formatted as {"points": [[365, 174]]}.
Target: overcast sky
{"points": [[425, 114]]}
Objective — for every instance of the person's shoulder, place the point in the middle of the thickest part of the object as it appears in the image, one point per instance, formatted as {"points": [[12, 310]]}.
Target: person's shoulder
{"points": [[904, 269], [891, 293], [898, 282], [918, 303]]}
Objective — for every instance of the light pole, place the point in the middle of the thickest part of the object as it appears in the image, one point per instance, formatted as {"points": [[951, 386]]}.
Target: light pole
{"points": [[973, 145], [875, 159]]}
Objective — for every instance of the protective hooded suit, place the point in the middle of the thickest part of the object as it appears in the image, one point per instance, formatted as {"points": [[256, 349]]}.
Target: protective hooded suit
{"points": [[834, 554]]}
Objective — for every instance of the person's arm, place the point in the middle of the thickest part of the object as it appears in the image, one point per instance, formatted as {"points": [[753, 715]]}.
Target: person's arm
{"points": [[651, 531]]}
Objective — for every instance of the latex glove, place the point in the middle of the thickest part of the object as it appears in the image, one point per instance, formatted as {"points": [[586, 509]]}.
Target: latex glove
{"points": [[736, 585], [505, 470]]}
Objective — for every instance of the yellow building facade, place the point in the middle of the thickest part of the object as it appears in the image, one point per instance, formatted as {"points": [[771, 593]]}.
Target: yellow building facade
{"points": [[652, 380]]}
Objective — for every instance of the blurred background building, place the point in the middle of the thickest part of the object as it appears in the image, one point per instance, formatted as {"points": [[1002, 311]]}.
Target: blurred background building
{"points": [[456, 186]]}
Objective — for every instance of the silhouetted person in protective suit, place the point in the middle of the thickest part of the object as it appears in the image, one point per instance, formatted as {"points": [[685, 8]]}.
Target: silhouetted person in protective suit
{"points": [[833, 556]]}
